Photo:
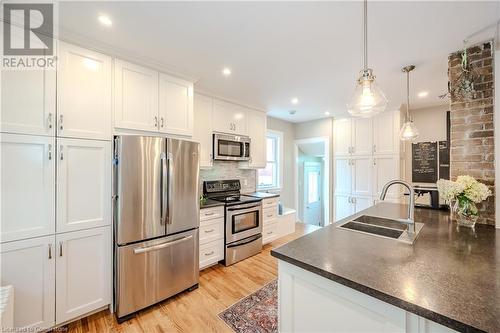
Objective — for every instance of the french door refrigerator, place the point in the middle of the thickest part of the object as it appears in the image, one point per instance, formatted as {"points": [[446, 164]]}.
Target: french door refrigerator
{"points": [[156, 220]]}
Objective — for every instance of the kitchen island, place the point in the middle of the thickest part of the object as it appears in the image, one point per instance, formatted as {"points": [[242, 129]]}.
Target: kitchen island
{"points": [[340, 280]]}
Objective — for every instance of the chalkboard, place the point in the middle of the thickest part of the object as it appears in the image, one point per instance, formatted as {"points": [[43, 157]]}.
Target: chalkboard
{"points": [[444, 160], [424, 162]]}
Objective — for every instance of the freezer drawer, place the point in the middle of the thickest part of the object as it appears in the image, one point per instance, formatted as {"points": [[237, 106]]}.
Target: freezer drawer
{"points": [[151, 271]]}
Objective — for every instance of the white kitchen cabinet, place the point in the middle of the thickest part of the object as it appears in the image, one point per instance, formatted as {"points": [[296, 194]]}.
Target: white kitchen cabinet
{"points": [[343, 206], [84, 184], [28, 98], [361, 203], [83, 272], [29, 266], [229, 118], [343, 175], [362, 175], [136, 97], [175, 106], [257, 127], [269, 220], [27, 188], [386, 133], [386, 168], [212, 231], [342, 134], [83, 93], [202, 131], [361, 136]]}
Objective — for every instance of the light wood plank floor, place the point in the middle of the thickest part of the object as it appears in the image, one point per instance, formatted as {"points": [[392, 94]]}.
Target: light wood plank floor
{"points": [[197, 311]]}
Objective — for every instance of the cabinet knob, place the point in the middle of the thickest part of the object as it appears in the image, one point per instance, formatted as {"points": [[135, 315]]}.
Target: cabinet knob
{"points": [[50, 151], [62, 152], [156, 121], [161, 122], [49, 120], [61, 126]]}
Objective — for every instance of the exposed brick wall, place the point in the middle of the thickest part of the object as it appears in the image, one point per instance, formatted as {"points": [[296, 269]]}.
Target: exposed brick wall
{"points": [[472, 132]]}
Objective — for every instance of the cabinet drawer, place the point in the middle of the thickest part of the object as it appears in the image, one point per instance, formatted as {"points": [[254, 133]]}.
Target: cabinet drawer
{"points": [[269, 214], [211, 231], [211, 253], [269, 232], [211, 213], [270, 202]]}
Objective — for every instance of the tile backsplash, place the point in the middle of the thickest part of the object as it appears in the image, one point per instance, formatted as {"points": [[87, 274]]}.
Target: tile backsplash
{"points": [[230, 170]]}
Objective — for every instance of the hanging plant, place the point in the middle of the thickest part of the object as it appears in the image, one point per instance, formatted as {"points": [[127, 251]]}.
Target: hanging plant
{"points": [[462, 88]]}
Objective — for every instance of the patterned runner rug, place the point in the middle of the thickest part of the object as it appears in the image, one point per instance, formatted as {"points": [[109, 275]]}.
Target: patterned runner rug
{"points": [[258, 312]]}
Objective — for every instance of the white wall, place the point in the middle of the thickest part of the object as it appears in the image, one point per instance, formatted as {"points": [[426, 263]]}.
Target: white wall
{"points": [[288, 186], [431, 124]]}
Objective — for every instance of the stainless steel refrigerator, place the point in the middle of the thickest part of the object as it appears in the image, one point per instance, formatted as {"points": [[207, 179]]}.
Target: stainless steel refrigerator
{"points": [[156, 220]]}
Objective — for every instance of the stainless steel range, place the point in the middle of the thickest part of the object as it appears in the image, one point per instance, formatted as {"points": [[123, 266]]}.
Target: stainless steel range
{"points": [[243, 219]]}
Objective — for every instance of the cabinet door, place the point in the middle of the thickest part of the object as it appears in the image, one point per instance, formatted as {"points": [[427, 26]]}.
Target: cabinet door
{"points": [[136, 97], [28, 99], [386, 168], [361, 203], [257, 125], [29, 266], [362, 136], [229, 118], [83, 93], [83, 184], [385, 133], [83, 272], [342, 137], [28, 186], [176, 106], [343, 207], [202, 132], [343, 175], [362, 180]]}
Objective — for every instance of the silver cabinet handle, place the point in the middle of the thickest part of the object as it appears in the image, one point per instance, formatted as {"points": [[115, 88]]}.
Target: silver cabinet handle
{"points": [[270, 215], [374, 148], [269, 232], [209, 214], [162, 245], [161, 122], [209, 253], [50, 151], [61, 127], [50, 251], [209, 231], [60, 249], [62, 153], [156, 121], [49, 120]]}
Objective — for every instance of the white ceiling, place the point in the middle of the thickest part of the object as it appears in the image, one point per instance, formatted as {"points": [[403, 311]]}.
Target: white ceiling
{"points": [[280, 50]]}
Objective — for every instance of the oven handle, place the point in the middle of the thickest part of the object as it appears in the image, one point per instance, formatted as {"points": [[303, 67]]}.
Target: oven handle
{"points": [[243, 208], [245, 241]]}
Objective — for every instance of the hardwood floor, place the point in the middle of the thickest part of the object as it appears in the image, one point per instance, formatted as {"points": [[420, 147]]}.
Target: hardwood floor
{"points": [[197, 311]]}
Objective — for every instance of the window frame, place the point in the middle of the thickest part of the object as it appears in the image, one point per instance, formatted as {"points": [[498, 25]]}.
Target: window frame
{"points": [[278, 136]]}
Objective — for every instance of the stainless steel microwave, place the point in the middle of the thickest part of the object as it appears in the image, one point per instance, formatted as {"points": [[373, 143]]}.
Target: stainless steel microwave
{"points": [[227, 147]]}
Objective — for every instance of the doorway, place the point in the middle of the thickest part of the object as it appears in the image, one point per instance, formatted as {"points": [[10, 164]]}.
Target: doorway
{"points": [[312, 181]]}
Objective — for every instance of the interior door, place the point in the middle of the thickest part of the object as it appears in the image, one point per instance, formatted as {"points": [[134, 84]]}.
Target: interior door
{"points": [[312, 193], [84, 184], [83, 94], [29, 266], [183, 176], [139, 186], [27, 186]]}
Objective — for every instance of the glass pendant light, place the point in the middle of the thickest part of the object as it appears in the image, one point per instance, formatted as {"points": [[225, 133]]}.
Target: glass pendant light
{"points": [[368, 98], [408, 131]]}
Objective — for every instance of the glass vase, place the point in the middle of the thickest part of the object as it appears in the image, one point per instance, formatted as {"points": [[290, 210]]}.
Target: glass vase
{"points": [[464, 212]]}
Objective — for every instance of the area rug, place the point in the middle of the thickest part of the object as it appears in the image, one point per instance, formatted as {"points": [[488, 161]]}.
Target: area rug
{"points": [[257, 312]]}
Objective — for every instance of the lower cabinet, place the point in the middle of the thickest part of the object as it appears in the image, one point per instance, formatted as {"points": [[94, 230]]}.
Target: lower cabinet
{"points": [[211, 236], [346, 205], [269, 220], [58, 278]]}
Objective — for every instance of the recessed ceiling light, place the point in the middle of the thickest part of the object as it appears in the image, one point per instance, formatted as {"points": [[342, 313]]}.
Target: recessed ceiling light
{"points": [[327, 113], [226, 71], [295, 100], [105, 20], [423, 94]]}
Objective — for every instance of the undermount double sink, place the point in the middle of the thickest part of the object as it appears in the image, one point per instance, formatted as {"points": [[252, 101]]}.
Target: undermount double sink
{"points": [[383, 227]]}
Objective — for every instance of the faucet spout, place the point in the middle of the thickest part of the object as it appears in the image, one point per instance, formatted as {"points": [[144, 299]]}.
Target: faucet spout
{"points": [[411, 203]]}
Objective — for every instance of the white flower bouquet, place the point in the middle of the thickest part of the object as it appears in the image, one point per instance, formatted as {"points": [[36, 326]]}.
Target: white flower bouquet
{"points": [[462, 195]]}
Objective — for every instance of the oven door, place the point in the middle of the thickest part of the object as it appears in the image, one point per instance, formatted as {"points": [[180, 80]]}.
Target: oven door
{"points": [[231, 147], [243, 221]]}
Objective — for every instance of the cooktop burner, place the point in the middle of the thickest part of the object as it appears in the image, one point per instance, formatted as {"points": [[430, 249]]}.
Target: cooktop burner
{"points": [[227, 191]]}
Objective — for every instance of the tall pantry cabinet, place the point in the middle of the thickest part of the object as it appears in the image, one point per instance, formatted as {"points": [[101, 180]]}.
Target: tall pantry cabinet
{"points": [[366, 156], [56, 188]]}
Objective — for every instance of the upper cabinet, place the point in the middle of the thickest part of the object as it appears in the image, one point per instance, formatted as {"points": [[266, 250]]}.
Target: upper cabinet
{"points": [[136, 97], [229, 118], [386, 133], [176, 106], [342, 136], [203, 107], [361, 142], [83, 93], [257, 126]]}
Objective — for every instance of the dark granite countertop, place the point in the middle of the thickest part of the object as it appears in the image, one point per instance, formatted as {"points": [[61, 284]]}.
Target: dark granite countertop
{"points": [[450, 275], [211, 203], [263, 195]]}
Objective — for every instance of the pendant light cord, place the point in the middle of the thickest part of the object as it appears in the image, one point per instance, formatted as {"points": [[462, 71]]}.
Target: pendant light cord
{"points": [[408, 96], [365, 34]]}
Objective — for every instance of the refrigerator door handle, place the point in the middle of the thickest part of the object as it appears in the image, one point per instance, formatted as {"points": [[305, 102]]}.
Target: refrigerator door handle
{"points": [[163, 191], [140, 250], [169, 176]]}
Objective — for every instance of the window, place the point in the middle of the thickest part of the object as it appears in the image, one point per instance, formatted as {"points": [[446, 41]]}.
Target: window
{"points": [[269, 177]]}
